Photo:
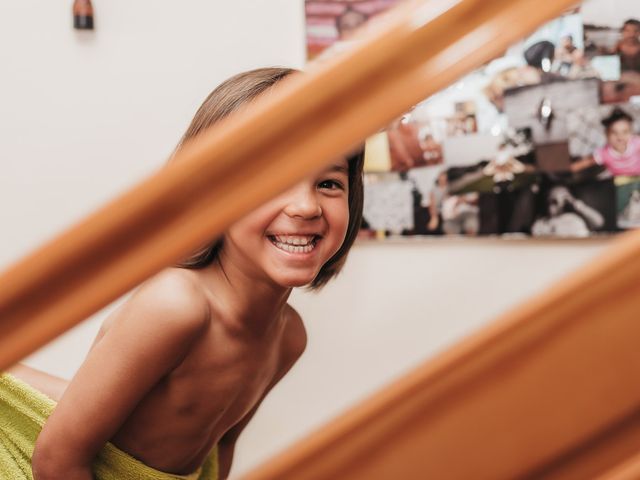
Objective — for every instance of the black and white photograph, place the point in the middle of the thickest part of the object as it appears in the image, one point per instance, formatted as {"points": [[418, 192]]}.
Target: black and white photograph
{"points": [[575, 211]]}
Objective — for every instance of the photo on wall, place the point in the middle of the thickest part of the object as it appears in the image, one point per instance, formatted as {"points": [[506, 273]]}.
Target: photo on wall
{"points": [[612, 38], [540, 142], [333, 24], [575, 210]]}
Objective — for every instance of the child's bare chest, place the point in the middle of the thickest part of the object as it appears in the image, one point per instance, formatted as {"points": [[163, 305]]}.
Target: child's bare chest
{"points": [[224, 387], [214, 388]]}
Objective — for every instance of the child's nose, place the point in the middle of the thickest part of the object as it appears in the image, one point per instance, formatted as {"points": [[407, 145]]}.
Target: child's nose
{"points": [[302, 202]]}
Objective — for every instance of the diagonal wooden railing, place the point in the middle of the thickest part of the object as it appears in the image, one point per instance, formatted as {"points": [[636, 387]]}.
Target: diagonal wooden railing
{"points": [[549, 391], [260, 151]]}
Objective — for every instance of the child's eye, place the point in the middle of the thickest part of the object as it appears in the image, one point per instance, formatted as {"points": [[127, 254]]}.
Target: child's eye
{"points": [[331, 185]]}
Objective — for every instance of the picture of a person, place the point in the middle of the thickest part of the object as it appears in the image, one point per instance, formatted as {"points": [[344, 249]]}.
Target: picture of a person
{"points": [[452, 214], [628, 48], [431, 150], [571, 62], [565, 55], [347, 26], [405, 147], [348, 23], [567, 216], [437, 196], [621, 154], [461, 214]]}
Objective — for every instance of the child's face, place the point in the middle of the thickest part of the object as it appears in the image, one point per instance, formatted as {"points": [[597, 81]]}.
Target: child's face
{"points": [[630, 31], [558, 198], [442, 180], [291, 237], [619, 134]]}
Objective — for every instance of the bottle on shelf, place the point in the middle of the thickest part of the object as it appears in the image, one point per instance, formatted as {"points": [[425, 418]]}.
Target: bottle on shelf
{"points": [[82, 15]]}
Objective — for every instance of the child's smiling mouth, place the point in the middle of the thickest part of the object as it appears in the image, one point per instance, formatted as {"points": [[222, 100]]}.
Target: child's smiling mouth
{"points": [[294, 243]]}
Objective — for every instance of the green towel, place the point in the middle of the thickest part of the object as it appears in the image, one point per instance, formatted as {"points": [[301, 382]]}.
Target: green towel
{"points": [[23, 412]]}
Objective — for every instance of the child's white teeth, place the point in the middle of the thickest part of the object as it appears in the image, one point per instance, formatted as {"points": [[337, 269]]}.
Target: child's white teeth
{"points": [[295, 239], [294, 244], [295, 248]]}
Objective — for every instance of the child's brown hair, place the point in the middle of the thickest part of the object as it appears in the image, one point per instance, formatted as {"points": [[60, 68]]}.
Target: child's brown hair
{"points": [[615, 116], [224, 100]]}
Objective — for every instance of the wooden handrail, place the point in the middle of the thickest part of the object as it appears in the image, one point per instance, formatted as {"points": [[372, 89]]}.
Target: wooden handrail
{"points": [[627, 470], [549, 391], [260, 151]]}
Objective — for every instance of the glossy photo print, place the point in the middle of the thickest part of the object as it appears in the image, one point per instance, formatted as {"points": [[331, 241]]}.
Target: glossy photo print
{"points": [[612, 39], [541, 142], [332, 24]]}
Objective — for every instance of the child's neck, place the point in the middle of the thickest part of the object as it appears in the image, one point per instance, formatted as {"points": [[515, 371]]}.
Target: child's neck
{"points": [[255, 304]]}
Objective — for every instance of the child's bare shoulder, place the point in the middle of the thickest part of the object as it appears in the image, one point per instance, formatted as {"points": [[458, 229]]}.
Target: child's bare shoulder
{"points": [[171, 300], [174, 286], [146, 338], [295, 338]]}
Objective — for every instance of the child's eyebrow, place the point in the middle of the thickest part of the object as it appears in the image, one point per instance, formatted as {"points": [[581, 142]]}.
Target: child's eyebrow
{"points": [[338, 167]]}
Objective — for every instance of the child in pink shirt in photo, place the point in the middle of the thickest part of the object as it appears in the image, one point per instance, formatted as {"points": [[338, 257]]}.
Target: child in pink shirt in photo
{"points": [[621, 154]]}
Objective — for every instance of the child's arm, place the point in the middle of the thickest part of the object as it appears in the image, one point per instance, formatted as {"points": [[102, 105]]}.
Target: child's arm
{"points": [[293, 348], [593, 217], [434, 218], [583, 164], [149, 336]]}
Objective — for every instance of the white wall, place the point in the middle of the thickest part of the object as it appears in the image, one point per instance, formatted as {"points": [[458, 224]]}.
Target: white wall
{"points": [[83, 116]]}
